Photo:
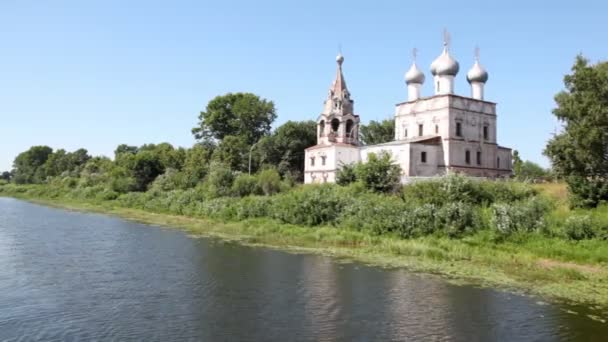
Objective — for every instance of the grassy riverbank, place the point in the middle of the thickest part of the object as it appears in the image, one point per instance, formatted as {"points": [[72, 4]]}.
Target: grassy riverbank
{"points": [[533, 261]]}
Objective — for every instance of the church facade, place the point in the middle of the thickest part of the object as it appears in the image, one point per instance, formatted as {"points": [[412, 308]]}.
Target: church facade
{"points": [[435, 135]]}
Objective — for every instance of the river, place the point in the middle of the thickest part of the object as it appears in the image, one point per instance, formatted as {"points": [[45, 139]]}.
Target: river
{"points": [[70, 276]]}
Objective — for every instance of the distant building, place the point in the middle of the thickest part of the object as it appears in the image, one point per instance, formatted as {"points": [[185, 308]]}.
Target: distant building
{"points": [[434, 135]]}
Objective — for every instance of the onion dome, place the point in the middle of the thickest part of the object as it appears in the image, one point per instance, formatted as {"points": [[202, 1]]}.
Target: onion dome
{"points": [[414, 75], [477, 74], [445, 65]]}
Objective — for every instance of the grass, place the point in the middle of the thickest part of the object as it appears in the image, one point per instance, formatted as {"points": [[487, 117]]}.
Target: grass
{"points": [[574, 271]]}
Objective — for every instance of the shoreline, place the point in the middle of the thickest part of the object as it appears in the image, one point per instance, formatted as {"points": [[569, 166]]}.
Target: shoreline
{"points": [[464, 261]]}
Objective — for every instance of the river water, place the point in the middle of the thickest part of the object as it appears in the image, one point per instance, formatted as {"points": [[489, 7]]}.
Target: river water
{"points": [[69, 276]]}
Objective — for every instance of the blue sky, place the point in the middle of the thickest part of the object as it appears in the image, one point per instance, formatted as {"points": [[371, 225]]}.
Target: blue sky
{"points": [[95, 74]]}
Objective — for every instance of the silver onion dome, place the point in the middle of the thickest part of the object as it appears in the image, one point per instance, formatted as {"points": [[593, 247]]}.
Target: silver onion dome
{"points": [[445, 65], [414, 75], [477, 74]]}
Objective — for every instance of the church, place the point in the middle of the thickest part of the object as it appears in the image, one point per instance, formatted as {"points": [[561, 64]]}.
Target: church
{"points": [[434, 135]]}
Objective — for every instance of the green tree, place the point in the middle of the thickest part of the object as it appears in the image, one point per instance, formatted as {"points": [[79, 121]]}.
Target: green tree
{"points": [[5, 176], [61, 161], [377, 132], [531, 171], [196, 164], [233, 151], [28, 166], [284, 149], [580, 152], [517, 163], [242, 115], [379, 173], [346, 174]]}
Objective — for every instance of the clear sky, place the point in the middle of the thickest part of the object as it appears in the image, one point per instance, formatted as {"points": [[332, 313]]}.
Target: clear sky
{"points": [[95, 74]]}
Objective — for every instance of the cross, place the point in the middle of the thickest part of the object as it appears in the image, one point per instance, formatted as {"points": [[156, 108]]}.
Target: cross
{"points": [[446, 38], [414, 53], [477, 53]]}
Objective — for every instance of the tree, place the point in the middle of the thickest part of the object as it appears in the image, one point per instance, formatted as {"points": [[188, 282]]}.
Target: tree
{"points": [[235, 114], [284, 149], [5, 176], [379, 173], [580, 152], [233, 151], [28, 165], [61, 161], [532, 171], [377, 132], [517, 163], [196, 164]]}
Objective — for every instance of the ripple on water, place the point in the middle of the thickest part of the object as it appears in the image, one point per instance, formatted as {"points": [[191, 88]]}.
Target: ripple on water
{"points": [[67, 276]]}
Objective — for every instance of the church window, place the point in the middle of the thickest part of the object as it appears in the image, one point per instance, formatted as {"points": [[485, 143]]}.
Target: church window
{"points": [[467, 157], [458, 129], [478, 157], [498, 162], [420, 129], [438, 88], [349, 127], [436, 129], [312, 161], [322, 127], [423, 157], [335, 124], [323, 160], [405, 132], [485, 132]]}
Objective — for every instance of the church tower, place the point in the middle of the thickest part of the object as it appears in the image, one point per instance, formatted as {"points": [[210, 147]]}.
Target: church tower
{"points": [[444, 69], [338, 123]]}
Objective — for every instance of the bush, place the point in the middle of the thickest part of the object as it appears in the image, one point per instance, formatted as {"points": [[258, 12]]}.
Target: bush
{"points": [[219, 181], [269, 181], [456, 219], [310, 205], [525, 216], [346, 174], [579, 227], [587, 192], [172, 179], [379, 174], [245, 185]]}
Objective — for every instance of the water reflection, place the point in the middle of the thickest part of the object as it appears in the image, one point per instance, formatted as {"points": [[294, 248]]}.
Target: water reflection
{"points": [[73, 276]]}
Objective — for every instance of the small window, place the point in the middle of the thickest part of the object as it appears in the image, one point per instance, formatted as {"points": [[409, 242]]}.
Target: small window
{"points": [[405, 133], [436, 129], [423, 157], [458, 129], [478, 158], [323, 160], [467, 157], [498, 163], [438, 89], [312, 161], [420, 129], [485, 132]]}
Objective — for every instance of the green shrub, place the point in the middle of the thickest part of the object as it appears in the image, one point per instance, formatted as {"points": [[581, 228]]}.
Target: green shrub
{"points": [[379, 173], [346, 174], [525, 216], [245, 185], [172, 179], [269, 181], [310, 205], [456, 219], [579, 227], [219, 181]]}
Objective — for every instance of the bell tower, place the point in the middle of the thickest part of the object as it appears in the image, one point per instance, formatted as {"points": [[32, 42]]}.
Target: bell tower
{"points": [[338, 123]]}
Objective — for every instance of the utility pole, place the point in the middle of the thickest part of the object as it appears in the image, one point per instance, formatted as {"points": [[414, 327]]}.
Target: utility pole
{"points": [[250, 151]]}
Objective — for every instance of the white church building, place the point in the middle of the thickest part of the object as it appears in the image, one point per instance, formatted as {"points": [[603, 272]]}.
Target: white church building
{"points": [[434, 135]]}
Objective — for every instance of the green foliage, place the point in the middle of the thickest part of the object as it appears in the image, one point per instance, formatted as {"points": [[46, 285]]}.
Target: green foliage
{"points": [[456, 188], [579, 227], [379, 173], [242, 115], [310, 205], [269, 181], [196, 164], [245, 185], [346, 174], [5, 176], [233, 151], [377, 132], [285, 147], [172, 179], [28, 166], [579, 153], [519, 217], [219, 181]]}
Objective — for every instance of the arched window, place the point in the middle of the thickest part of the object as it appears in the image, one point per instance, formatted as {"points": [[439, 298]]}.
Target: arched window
{"points": [[467, 157], [335, 125], [498, 162], [436, 129], [322, 127], [349, 127], [312, 161], [478, 157], [323, 160]]}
